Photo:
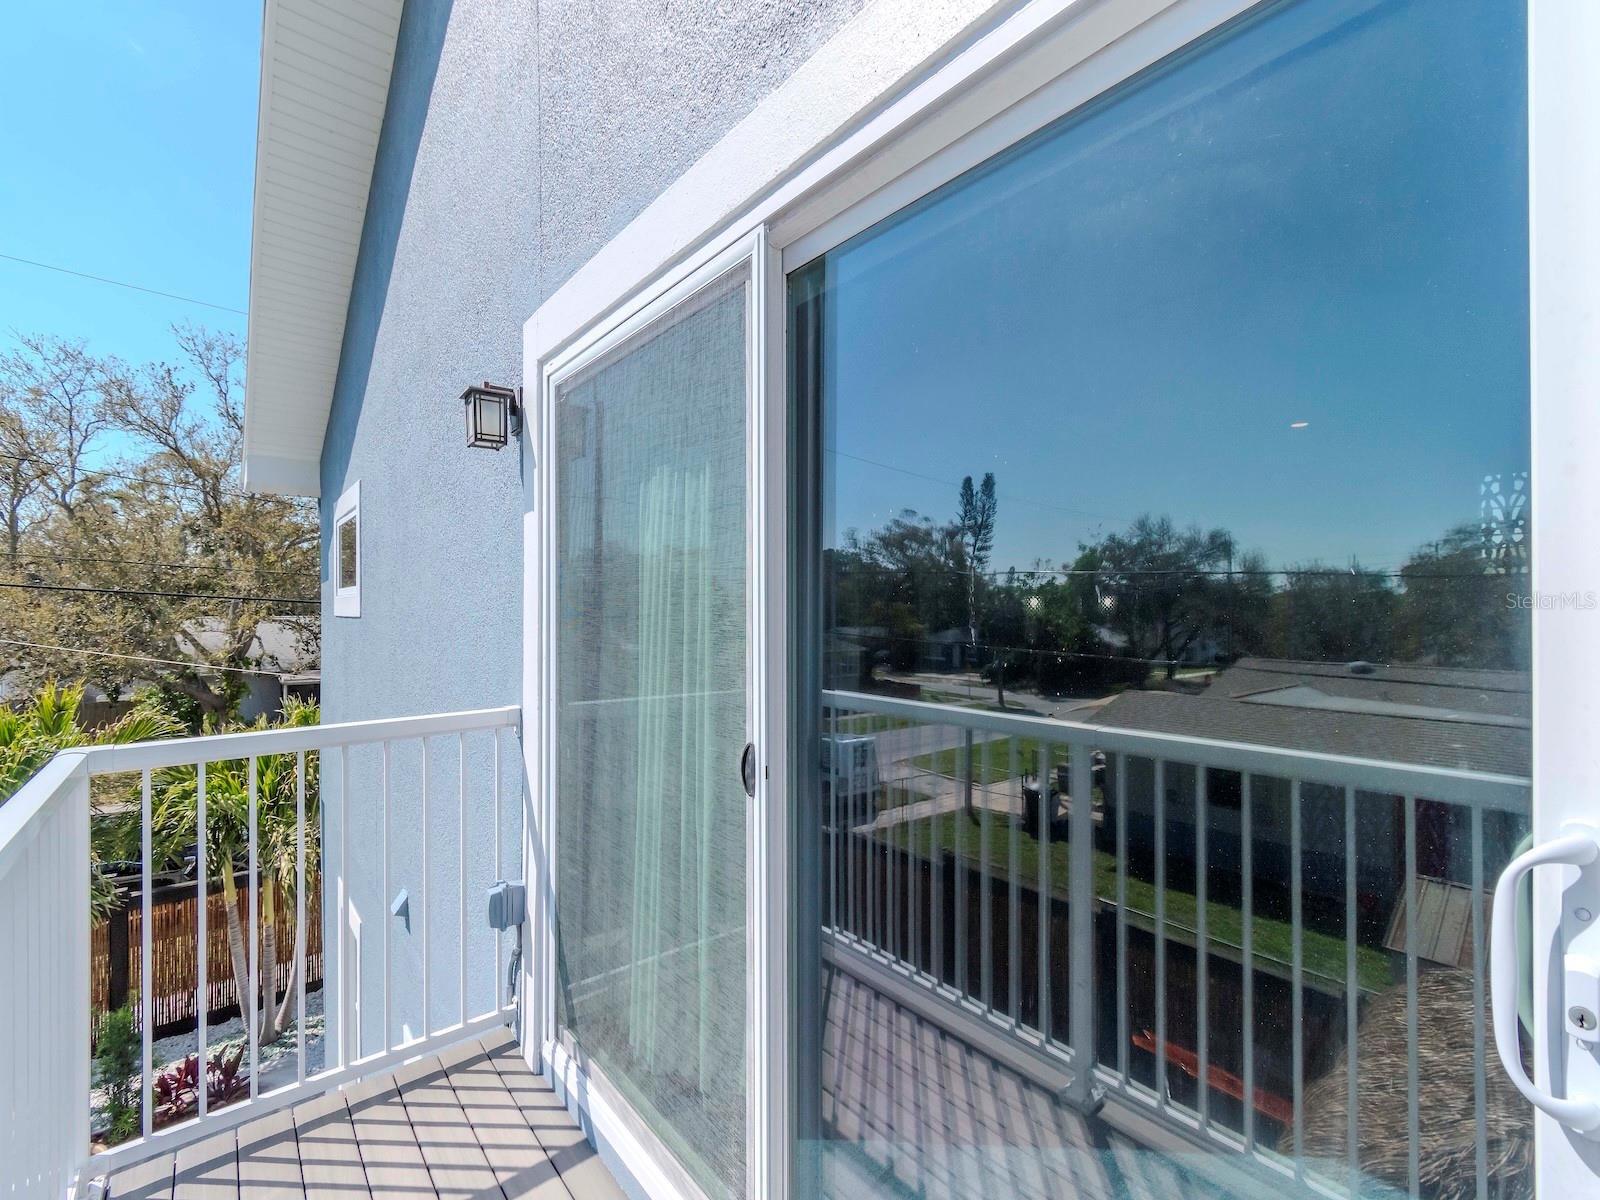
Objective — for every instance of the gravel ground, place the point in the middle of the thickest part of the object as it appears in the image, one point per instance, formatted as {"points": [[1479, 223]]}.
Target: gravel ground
{"points": [[277, 1061]]}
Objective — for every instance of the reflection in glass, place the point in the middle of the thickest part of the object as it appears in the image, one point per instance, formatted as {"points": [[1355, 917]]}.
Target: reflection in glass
{"points": [[1169, 461]]}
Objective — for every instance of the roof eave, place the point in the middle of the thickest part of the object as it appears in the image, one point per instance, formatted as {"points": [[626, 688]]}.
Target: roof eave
{"points": [[345, 48]]}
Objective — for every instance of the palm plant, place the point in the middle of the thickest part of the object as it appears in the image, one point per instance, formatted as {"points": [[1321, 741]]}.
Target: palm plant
{"points": [[174, 795], [32, 734]]}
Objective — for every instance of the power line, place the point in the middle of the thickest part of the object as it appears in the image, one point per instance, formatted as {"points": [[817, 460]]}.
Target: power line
{"points": [[131, 592], [171, 662], [166, 566], [44, 266]]}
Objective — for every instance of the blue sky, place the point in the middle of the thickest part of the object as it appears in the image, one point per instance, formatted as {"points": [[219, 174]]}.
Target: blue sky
{"points": [[127, 131], [1307, 221]]}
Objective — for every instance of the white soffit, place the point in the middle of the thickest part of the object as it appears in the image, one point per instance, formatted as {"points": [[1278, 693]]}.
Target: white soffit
{"points": [[325, 68]]}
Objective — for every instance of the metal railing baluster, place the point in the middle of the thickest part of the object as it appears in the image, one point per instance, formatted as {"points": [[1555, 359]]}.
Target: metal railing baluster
{"points": [[1159, 807], [253, 869], [962, 867], [146, 956], [1122, 917], [347, 986], [426, 899], [388, 895], [1202, 950], [1046, 805], [499, 873], [1480, 1083], [461, 847], [302, 938], [202, 898], [1297, 954], [1352, 995], [1247, 951], [985, 901], [1080, 932], [1413, 1069], [1014, 891]]}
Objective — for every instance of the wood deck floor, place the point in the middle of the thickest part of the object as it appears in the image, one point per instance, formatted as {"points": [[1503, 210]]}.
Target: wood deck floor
{"points": [[473, 1121]]}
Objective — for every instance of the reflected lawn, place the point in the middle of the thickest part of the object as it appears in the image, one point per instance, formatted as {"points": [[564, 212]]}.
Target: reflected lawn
{"points": [[1323, 955]]}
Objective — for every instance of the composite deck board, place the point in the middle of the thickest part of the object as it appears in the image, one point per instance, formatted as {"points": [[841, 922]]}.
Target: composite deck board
{"points": [[330, 1160], [208, 1170], [472, 1123], [269, 1159], [148, 1180], [519, 1161], [575, 1160], [389, 1152], [450, 1149]]}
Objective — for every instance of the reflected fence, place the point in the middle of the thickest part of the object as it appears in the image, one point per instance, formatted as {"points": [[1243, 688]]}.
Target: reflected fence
{"points": [[1277, 954]]}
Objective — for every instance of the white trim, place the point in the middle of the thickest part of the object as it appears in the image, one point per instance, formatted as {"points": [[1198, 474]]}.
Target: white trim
{"points": [[636, 1164], [346, 600], [282, 476], [593, 1100], [325, 73], [1564, 312]]}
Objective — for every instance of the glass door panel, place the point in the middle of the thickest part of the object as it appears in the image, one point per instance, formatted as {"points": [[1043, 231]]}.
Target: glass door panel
{"points": [[651, 715], [1167, 646]]}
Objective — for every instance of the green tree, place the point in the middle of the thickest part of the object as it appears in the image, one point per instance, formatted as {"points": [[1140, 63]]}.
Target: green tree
{"points": [[1325, 614], [178, 565], [175, 793], [1454, 609], [1162, 587]]}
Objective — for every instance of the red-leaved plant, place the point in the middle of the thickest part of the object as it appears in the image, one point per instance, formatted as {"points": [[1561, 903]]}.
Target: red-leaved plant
{"points": [[177, 1088]]}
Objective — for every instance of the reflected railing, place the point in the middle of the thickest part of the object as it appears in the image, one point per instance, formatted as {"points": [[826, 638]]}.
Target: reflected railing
{"points": [[1275, 953]]}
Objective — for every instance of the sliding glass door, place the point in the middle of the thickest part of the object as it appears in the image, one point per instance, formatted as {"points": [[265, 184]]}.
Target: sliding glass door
{"points": [[1164, 695], [651, 713]]}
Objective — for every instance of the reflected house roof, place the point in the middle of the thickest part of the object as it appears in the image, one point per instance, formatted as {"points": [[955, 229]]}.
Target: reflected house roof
{"points": [[1426, 716]]}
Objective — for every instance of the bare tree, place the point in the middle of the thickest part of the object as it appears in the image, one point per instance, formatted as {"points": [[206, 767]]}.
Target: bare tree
{"points": [[55, 385]]}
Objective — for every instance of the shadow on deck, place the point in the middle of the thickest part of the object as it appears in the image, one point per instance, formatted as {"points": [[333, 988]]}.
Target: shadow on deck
{"points": [[473, 1121]]}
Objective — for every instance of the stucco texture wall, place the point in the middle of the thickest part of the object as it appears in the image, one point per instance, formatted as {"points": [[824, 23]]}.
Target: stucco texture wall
{"points": [[519, 138]]}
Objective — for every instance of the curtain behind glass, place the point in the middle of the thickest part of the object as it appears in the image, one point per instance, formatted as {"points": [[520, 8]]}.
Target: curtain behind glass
{"points": [[651, 703]]}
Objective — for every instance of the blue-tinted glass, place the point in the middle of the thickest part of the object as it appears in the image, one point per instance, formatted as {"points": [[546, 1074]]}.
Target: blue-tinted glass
{"points": [[1203, 414]]}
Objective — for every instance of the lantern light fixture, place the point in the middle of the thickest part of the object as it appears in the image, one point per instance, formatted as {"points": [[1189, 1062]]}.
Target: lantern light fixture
{"points": [[494, 415]]}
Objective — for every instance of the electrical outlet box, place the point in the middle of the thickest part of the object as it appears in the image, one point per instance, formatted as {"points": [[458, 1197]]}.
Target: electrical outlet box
{"points": [[508, 904]]}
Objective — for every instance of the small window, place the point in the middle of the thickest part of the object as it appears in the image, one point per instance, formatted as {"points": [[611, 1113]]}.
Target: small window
{"points": [[346, 554]]}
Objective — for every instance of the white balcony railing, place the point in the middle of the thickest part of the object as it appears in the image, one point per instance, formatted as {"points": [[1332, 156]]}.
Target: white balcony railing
{"points": [[1193, 929], [45, 924]]}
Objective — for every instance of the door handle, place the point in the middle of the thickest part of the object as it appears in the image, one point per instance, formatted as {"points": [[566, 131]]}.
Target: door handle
{"points": [[747, 769], [1576, 847]]}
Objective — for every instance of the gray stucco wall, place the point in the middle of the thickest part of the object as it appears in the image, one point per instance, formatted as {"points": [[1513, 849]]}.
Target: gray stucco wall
{"points": [[519, 138]]}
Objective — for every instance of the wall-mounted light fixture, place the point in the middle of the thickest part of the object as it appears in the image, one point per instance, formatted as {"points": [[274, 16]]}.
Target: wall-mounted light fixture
{"points": [[494, 415]]}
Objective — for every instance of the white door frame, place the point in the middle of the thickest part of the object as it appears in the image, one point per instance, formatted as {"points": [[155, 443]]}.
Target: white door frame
{"points": [[1564, 258], [783, 187]]}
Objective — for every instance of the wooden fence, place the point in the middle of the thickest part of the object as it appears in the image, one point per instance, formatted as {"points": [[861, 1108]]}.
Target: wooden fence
{"points": [[115, 953]]}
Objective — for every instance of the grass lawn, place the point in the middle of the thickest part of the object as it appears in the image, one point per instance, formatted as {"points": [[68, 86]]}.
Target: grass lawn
{"points": [[998, 769], [1323, 955], [863, 723]]}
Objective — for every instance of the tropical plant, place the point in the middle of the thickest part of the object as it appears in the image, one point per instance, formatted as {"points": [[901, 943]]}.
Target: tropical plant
{"points": [[116, 1058], [175, 793], [51, 721], [176, 1090]]}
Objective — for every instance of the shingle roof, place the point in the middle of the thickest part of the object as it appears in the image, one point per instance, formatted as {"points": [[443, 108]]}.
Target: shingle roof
{"points": [[1226, 711]]}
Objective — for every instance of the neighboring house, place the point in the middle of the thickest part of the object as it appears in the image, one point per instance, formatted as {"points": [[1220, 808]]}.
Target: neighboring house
{"points": [[281, 656], [282, 653], [1463, 720]]}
